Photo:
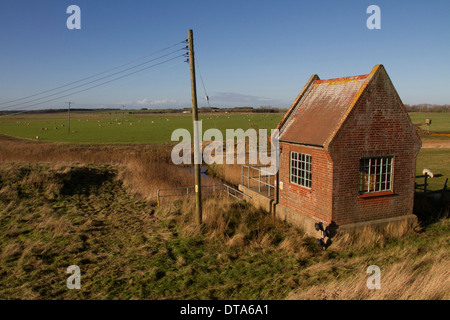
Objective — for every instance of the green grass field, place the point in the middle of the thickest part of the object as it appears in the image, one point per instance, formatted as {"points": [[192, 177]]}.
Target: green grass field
{"points": [[438, 161], [102, 127], [440, 122]]}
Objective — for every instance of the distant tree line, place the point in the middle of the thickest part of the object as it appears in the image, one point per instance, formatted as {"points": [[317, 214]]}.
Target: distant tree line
{"points": [[427, 108], [245, 109], [262, 109]]}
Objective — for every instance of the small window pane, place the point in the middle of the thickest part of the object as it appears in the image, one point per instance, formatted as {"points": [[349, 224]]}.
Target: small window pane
{"points": [[375, 174], [301, 169]]}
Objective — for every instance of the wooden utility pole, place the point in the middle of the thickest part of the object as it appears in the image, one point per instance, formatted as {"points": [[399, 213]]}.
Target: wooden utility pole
{"points": [[69, 103], [198, 187]]}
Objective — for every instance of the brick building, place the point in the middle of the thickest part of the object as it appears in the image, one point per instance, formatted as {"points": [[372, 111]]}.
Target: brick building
{"points": [[347, 154]]}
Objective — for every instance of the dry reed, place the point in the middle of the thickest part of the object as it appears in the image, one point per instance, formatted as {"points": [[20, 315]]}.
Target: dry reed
{"points": [[425, 278], [143, 168]]}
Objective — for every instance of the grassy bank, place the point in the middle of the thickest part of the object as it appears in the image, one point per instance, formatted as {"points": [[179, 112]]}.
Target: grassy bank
{"points": [[146, 168], [54, 216]]}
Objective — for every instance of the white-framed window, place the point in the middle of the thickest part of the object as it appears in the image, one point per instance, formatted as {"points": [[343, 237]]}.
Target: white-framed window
{"points": [[301, 169], [375, 174]]}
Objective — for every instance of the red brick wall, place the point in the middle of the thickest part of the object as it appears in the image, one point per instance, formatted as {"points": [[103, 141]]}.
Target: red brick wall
{"points": [[314, 202], [377, 126]]}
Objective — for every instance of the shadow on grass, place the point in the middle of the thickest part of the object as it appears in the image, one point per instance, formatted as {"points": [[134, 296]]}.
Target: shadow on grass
{"points": [[84, 181], [432, 207]]}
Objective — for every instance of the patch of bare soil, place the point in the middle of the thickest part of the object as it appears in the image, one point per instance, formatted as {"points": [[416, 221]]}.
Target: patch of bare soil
{"points": [[432, 144]]}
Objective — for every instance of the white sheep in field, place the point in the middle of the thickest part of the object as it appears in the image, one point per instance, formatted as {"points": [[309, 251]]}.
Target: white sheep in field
{"points": [[428, 173]]}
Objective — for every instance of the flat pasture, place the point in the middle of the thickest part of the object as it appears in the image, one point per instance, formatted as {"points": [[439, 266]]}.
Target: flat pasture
{"points": [[440, 121], [104, 127], [438, 161], [124, 127]]}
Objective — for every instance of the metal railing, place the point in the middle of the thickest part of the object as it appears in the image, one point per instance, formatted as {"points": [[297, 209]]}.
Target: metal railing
{"points": [[262, 177], [209, 189], [423, 186]]}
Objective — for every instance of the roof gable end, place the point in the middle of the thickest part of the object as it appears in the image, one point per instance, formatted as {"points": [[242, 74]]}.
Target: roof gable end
{"points": [[317, 114]]}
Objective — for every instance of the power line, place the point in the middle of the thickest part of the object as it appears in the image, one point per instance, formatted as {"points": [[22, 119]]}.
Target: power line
{"points": [[203, 84], [204, 89], [95, 75], [101, 84], [90, 82], [14, 113]]}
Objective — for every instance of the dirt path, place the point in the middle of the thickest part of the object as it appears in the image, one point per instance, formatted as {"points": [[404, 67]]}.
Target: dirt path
{"points": [[430, 144]]}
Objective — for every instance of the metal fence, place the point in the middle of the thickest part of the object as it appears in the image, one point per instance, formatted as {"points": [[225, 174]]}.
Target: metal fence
{"points": [[208, 189], [259, 178]]}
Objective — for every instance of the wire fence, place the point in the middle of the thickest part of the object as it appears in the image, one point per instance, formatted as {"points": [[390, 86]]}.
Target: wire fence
{"points": [[214, 189]]}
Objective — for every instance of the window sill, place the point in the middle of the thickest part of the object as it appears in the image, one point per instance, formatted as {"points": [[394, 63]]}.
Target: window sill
{"points": [[376, 194]]}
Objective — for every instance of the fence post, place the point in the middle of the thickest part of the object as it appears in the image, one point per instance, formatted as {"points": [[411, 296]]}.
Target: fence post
{"points": [[157, 197], [426, 183], [259, 181]]}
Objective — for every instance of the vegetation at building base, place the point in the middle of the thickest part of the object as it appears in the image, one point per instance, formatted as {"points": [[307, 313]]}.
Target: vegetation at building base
{"points": [[54, 215]]}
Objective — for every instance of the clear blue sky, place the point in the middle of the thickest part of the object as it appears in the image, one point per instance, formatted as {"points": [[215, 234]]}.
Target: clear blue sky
{"points": [[250, 52]]}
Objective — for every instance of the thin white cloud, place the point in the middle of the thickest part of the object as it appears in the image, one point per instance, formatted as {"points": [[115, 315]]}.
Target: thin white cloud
{"points": [[234, 98], [145, 102], [163, 101], [142, 102]]}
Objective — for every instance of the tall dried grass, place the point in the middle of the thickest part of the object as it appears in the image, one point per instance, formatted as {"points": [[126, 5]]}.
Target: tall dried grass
{"points": [[426, 278], [143, 168], [239, 225], [370, 237]]}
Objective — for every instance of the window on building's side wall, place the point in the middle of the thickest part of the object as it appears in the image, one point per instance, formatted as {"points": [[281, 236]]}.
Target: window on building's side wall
{"points": [[375, 174], [301, 169]]}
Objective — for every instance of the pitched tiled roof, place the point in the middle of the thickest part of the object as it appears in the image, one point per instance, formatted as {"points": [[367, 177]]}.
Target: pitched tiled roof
{"points": [[321, 108]]}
